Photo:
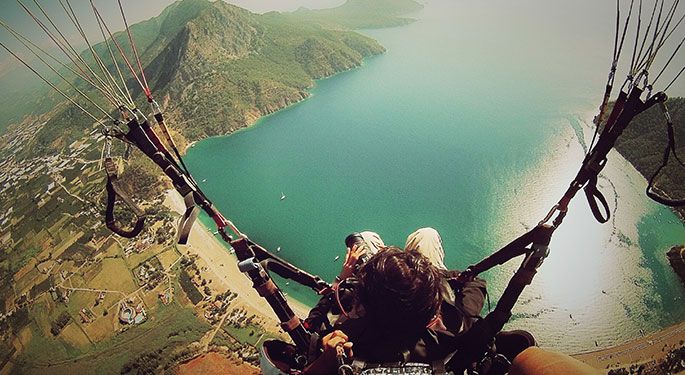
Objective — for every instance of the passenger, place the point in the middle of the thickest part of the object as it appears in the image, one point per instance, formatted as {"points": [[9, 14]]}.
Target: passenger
{"points": [[407, 306], [462, 303], [399, 293], [427, 241], [372, 244], [317, 320]]}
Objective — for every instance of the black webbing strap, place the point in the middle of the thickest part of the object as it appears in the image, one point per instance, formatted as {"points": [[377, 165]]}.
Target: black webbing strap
{"points": [[670, 148], [594, 196], [290, 322], [114, 190], [627, 106], [138, 135], [472, 343]]}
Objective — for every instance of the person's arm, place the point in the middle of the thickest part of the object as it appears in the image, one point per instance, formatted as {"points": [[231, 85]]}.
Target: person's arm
{"points": [[351, 259], [327, 362], [318, 315], [542, 362]]}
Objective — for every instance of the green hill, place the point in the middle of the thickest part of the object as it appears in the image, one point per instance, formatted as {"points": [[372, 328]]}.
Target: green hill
{"points": [[643, 142], [216, 67]]}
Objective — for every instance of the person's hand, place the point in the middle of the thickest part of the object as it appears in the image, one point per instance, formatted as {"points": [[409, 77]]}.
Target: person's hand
{"points": [[327, 362], [351, 259], [334, 342]]}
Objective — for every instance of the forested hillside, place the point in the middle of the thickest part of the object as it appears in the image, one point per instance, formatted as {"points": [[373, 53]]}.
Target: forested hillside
{"points": [[643, 143], [216, 68]]}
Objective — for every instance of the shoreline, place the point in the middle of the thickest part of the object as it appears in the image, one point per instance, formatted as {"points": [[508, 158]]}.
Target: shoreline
{"points": [[651, 347], [223, 264], [252, 121]]}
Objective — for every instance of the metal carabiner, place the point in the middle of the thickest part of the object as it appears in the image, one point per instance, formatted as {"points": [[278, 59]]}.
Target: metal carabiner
{"points": [[556, 208], [549, 214], [108, 146]]}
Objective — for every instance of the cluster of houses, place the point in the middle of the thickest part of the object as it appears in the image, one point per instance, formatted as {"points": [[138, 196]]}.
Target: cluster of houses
{"points": [[59, 294], [216, 309], [148, 274], [144, 241]]}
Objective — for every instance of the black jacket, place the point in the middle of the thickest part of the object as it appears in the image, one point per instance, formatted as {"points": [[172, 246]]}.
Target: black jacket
{"points": [[460, 309]]}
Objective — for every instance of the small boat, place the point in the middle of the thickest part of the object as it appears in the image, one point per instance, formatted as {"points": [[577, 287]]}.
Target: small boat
{"points": [[287, 283], [570, 316], [336, 258], [216, 232], [282, 196], [604, 291], [204, 180], [278, 249], [596, 343]]}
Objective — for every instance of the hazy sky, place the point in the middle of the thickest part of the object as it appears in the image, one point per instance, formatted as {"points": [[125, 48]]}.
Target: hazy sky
{"points": [[546, 15]]}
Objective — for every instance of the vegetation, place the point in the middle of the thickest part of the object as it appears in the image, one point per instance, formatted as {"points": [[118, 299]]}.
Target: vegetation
{"points": [[643, 143], [189, 288], [59, 324], [222, 67], [170, 333], [142, 176], [215, 68]]}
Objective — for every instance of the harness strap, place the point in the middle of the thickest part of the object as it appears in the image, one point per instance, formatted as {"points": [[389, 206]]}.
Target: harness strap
{"points": [[670, 148], [594, 196], [291, 324], [267, 289], [524, 276], [114, 190], [182, 183]]}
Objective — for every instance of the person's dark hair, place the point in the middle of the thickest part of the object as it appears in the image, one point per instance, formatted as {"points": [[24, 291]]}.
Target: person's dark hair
{"points": [[400, 290]]}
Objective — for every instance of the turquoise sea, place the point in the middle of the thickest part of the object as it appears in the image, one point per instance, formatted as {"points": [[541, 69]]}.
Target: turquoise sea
{"points": [[471, 123]]}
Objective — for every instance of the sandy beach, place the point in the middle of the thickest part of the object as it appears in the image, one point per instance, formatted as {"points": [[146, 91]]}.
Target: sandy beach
{"points": [[224, 265], [651, 347]]}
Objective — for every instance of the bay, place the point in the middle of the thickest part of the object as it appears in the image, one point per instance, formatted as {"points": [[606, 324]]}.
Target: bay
{"points": [[471, 123]]}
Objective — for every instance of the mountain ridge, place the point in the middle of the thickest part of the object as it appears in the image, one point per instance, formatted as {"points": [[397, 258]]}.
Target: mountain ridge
{"points": [[216, 67]]}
